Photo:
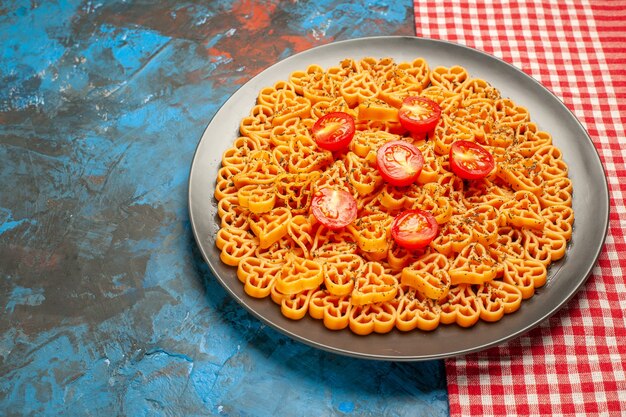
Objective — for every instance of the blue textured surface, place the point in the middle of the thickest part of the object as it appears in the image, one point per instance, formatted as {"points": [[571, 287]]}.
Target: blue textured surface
{"points": [[107, 307]]}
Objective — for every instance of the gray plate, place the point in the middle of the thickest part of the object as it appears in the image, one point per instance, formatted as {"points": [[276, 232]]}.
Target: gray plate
{"points": [[590, 203]]}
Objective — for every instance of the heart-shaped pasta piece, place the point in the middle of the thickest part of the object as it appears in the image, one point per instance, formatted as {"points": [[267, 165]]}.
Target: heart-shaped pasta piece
{"points": [[373, 285], [324, 107], [550, 158], [257, 198], [283, 134], [497, 298], [299, 79], [327, 242], [271, 96], [449, 101], [523, 211], [299, 274], [473, 265], [321, 88], [447, 132], [261, 168], [371, 232], [237, 156], [428, 275], [258, 276], [556, 192], [295, 306], [544, 245], [379, 318], [358, 88], [334, 310], [510, 114], [340, 272], [484, 220], [521, 174], [453, 236], [259, 123], [270, 227], [417, 69], [416, 311], [450, 78], [304, 156], [295, 191], [529, 139], [525, 274], [559, 219], [290, 107], [478, 88], [362, 174], [460, 306], [235, 244]]}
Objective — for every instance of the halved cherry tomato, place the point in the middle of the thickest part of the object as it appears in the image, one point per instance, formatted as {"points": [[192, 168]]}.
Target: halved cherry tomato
{"points": [[414, 229], [419, 114], [333, 131], [334, 208], [470, 161], [399, 162]]}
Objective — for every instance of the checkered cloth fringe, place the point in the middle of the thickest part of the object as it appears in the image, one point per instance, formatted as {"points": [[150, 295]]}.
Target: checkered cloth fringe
{"points": [[573, 364]]}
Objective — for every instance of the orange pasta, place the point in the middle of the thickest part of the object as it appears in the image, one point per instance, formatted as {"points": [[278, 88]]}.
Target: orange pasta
{"points": [[497, 235]]}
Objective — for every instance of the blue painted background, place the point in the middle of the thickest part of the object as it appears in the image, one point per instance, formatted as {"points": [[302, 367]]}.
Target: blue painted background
{"points": [[107, 306]]}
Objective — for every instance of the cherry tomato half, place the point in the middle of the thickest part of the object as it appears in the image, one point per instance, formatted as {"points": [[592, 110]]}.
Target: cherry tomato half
{"points": [[399, 162], [414, 229], [419, 114], [334, 208], [333, 131], [470, 161]]}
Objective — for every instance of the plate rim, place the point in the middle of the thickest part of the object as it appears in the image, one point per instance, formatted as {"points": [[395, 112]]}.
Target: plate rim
{"points": [[390, 357]]}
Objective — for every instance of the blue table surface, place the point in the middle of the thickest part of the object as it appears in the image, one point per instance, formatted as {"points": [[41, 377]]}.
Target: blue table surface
{"points": [[107, 306]]}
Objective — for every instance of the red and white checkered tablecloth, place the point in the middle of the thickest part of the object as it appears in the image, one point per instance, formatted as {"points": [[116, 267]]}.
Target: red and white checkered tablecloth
{"points": [[577, 49]]}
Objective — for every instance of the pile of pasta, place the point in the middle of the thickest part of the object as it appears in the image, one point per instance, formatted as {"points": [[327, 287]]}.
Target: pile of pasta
{"points": [[497, 235]]}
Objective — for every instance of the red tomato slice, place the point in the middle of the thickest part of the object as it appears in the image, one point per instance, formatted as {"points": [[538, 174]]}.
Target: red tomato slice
{"points": [[470, 161], [419, 114], [399, 162], [414, 229], [334, 208], [333, 131]]}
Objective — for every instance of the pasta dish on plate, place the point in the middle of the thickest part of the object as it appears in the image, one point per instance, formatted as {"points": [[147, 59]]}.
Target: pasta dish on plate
{"points": [[376, 194]]}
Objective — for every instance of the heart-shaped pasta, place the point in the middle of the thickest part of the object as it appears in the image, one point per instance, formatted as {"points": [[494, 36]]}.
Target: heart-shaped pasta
{"points": [[290, 106], [299, 274], [358, 88], [371, 232], [259, 123], [340, 272], [450, 78], [510, 114], [460, 306], [498, 298], [373, 285], [525, 274], [496, 235], [477, 88], [523, 211], [258, 276], [417, 312], [379, 318], [448, 132], [428, 275], [334, 310], [473, 265], [235, 244], [529, 139], [270, 227]]}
